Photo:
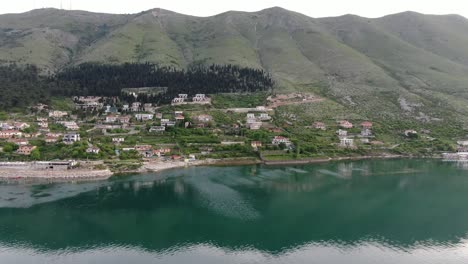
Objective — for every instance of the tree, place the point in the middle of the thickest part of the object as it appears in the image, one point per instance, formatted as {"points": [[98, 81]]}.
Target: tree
{"points": [[35, 154]]}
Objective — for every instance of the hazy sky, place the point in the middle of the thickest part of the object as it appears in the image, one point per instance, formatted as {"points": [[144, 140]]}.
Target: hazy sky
{"points": [[314, 8]]}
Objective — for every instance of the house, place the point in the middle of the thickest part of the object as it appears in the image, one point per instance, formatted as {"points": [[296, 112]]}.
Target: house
{"points": [[20, 125], [118, 140], [93, 150], [57, 114], [256, 144], [281, 140], [143, 147], [167, 123], [179, 118], [260, 108], [43, 124], [6, 126], [148, 107], [255, 125], [204, 118], [123, 119], [111, 119], [366, 132], [125, 108], [70, 125], [346, 142], [136, 106], [10, 134], [25, 149], [158, 115], [342, 133], [463, 143], [319, 125], [128, 149], [366, 125], [71, 138], [176, 157], [49, 139], [250, 116], [41, 119], [19, 141], [178, 100], [264, 116], [345, 124], [157, 129], [184, 96], [144, 117], [199, 98]]}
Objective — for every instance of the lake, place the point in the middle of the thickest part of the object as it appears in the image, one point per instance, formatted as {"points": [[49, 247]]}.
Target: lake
{"points": [[373, 211]]}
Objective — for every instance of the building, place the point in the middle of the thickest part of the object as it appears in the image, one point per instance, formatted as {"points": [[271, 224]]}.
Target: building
{"points": [[10, 134], [255, 125], [264, 116], [366, 132], [345, 124], [71, 138], [281, 140], [184, 96], [346, 142], [19, 141], [250, 116], [20, 125], [319, 125], [167, 123], [70, 125], [366, 125], [49, 139], [123, 119], [256, 144], [43, 124], [93, 150], [199, 98], [25, 149], [111, 119], [204, 118], [179, 117], [118, 140], [57, 114], [342, 133], [144, 117], [143, 147], [157, 129], [136, 106], [158, 115]]}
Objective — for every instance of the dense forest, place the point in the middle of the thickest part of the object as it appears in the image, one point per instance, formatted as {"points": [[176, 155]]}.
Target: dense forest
{"points": [[23, 85]]}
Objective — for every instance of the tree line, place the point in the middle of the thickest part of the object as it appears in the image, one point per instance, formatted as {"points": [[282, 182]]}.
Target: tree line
{"points": [[24, 85]]}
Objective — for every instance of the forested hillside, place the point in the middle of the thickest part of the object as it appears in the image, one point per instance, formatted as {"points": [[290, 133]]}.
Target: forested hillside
{"points": [[24, 86]]}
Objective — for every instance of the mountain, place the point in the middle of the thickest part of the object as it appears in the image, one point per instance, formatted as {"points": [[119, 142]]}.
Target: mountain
{"points": [[405, 64]]}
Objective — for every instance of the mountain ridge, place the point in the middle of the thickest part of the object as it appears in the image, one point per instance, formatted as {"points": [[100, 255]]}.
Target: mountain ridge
{"points": [[407, 63]]}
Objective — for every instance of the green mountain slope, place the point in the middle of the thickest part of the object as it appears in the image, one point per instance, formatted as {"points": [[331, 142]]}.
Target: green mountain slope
{"points": [[405, 65]]}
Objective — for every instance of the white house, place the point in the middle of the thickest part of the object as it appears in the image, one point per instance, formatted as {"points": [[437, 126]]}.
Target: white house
{"points": [[118, 140], [346, 142], [71, 138], [94, 150], [157, 129], [144, 117], [279, 139]]}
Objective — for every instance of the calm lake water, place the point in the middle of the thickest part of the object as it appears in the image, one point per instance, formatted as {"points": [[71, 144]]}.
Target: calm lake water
{"points": [[386, 211]]}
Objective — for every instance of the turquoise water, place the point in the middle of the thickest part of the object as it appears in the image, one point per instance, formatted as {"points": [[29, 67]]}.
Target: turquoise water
{"points": [[385, 211]]}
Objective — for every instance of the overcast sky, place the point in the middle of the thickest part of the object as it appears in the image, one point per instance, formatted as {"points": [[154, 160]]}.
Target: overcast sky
{"points": [[314, 8]]}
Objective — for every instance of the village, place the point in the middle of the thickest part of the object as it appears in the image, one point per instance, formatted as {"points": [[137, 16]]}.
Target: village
{"points": [[187, 130]]}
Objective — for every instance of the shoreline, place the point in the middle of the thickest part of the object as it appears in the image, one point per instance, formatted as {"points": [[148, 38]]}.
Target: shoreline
{"points": [[13, 175]]}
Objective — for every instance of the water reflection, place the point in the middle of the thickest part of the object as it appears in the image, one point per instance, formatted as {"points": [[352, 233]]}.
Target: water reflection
{"points": [[395, 211]]}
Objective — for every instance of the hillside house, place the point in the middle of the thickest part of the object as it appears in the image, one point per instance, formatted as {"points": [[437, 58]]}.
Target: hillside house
{"points": [[20, 125], [43, 124], [10, 134], [366, 132], [57, 114], [178, 100], [136, 106], [118, 140], [158, 115], [111, 119], [71, 138], [144, 117], [256, 144], [345, 124], [255, 125], [410, 132], [49, 139], [199, 98], [93, 150], [19, 141], [346, 142], [366, 125], [264, 117], [157, 129], [25, 150], [319, 125], [184, 96], [281, 140], [167, 123], [342, 133], [70, 125], [143, 147], [204, 118]]}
